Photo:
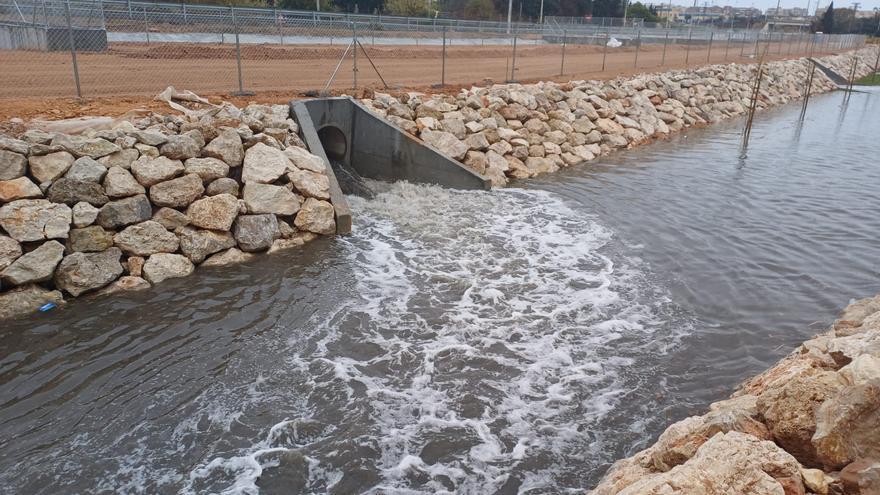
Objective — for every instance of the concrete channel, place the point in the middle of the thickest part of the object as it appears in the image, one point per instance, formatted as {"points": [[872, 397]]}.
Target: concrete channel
{"points": [[349, 137]]}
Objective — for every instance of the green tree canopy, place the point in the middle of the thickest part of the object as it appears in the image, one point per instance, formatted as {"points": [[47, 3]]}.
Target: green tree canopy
{"points": [[826, 24]]}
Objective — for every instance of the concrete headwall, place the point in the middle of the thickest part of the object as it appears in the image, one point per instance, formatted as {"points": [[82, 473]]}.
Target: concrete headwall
{"points": [[378, 150], [21, 37]]}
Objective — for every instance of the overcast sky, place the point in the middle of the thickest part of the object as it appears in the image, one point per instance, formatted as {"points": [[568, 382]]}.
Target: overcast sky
{"points": [[764, 4]]}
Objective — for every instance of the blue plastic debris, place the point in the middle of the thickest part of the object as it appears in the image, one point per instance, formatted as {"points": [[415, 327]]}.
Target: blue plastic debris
{"points": [[48, 306]]}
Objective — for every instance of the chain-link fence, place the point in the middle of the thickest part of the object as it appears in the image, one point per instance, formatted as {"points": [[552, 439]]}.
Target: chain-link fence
{"points": [[100, 48]]}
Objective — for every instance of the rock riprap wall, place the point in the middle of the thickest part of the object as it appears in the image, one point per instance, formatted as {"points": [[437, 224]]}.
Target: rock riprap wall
{"points": [[516, 131], [810, 424], [150, 199]]}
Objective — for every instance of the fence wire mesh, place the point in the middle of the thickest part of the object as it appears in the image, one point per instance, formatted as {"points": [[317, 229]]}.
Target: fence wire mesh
{"points": [[97, 48]]}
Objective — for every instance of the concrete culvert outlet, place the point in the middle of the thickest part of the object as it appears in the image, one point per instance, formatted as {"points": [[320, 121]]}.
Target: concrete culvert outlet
{"points": [[334, 142]]}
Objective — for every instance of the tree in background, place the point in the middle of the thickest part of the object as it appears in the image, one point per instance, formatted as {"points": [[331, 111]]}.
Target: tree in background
{"points": [[826, 23], [479, 9], [638, 10], [409, 8]]}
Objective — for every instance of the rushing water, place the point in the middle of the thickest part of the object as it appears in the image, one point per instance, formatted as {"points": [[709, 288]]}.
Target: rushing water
{"points": [[470, 342]]}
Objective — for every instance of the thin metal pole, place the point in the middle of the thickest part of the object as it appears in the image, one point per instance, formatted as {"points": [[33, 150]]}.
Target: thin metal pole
{"points": [[513, 62], [638, 47], [354, 66], [757, 41], [665, 42], [605, 50], [687, 53], [72, 42], [443, 62], [237, 51], [709, 55], [564, 40], [742, 47], [727, 49], [146, 25], [808, 89]]}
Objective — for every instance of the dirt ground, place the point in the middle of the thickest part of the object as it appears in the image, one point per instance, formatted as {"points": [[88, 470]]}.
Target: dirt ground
{"points": [[128, 75]]}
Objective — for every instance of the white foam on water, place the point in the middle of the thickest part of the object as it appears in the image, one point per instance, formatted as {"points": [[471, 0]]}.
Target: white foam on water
{"points": [[496, 317]]}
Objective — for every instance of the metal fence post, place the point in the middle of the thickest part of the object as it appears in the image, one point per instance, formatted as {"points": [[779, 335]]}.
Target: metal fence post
{"points": [[638, 46], [443, 63], [727, 49], [513, 63], [709, 55], [687, 53], [146, 25], [237, 51], [742, 47], [757, 42], [354, 45], [71, 40], [562, 65], [665, 42], [605, 50]]}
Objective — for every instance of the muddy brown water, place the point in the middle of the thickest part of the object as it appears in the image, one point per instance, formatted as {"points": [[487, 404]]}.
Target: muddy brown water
{"points": [[514, 341]]}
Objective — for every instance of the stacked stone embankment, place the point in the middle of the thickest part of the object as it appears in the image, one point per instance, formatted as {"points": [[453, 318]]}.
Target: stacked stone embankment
{"points": [[515, 131], [810, 424], [150, 199]]}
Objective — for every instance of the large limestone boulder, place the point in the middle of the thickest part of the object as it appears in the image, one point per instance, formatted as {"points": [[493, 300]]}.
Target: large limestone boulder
{"points": [[170, 218], [122, 159], [145, 239], [266, 198], [20, 188], [226, 147], [125, 284], [197, 244], [123, 212], [71, 192], [27, 299], [789, 410], [208, 169], [316, 216], [231, 256], [310, 184], [150, 138], [223, 185], [177, 193], [83, 272], [446, 143], [84, 214], [150, 171], [35, 266], [214, 212], [49, 167], [728, 463], [255, 232], [180, 147], [11, 144], [89, 239], [10, 250], [12, 165], [862, 477], [848, 425], [86, 169], [90, 147], [28, 220], [162, 266], [304, 160], [119, 183], [263, 164], [681, 440]]}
